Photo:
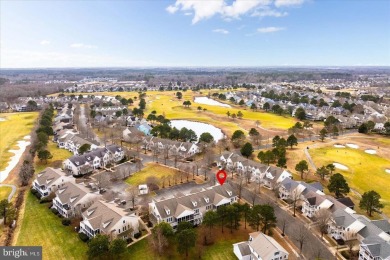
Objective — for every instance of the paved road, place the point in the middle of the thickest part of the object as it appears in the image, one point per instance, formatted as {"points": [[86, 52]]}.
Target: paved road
{"points": [[310, 159], [12, 191], [312, 246]]}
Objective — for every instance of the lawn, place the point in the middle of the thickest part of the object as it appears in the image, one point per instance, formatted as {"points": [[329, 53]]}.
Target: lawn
{"points": [[221, 249], [59, 155], [366, 172], [152, 169], [4, 192], [40, 227], [13, 129]]}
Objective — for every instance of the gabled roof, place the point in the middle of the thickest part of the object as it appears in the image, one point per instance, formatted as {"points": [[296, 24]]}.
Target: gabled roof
{"points": [[265, 246], [49, 175]]}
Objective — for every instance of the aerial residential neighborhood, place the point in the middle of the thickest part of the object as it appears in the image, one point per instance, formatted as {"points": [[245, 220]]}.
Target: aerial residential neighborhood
{"points": [[180, 129]]}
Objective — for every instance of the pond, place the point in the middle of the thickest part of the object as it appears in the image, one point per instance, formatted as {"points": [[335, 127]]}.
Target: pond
{"points": [[198, 128], [209, 101]]}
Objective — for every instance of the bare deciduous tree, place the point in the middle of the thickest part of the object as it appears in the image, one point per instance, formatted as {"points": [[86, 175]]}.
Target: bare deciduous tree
{"points": [[301, 236], [323, 216]]}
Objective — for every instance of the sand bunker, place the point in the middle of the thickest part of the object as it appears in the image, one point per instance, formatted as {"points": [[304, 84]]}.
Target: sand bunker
{"points": [[339, 146], [387, 171], [13, 161], [370, 151], [354, 146], [2, 119], [340, 166]]}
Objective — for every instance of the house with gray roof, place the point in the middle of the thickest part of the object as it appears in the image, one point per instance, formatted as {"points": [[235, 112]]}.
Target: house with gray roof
{"points": [[193, 206], [374, 248], [50, 180], [260, 247], [109, 218], [72, 199]]}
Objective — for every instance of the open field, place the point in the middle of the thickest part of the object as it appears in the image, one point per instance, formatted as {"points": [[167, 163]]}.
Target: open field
{"points": [[13, 129], [59, 155], [4, 192], [366, 171], [40, 227], [153, 170]]}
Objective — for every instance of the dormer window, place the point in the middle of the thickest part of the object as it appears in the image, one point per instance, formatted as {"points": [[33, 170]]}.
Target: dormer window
{"points": [[206, 199], [229, 192], [167, 211], [89, 212]]}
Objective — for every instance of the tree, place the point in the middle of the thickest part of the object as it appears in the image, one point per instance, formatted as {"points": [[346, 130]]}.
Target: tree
{"points": [[282, 162], [322, 217], [179, 95], [228, 113], [7, 211], [254, 218], [160, 237], [331, 168], [255, 135], [206, 137], [237, 138], [301, 167], [187, 103], [300, 114], [222, 214], [186, 237], [247, 150], [338, 185], [44, 155], [98, 246], [301, 236], [210, 219], [323, 134], [363, 129], [245, 209], [32, 105], [242, 102], [142, 104], [240, 114], [322, 172], [370, 202], [84, 148], [292, 140], [266, 106], [253, 107], [43, 138], [268, 218], [117, 247]]}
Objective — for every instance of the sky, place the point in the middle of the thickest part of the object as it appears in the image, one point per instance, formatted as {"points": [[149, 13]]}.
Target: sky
{"points": [[175, 33]]}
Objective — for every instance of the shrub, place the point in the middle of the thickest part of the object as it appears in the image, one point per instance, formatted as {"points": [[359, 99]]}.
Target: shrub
{"points": [[55, 211], [83, 237], [45, 200], [129, 240], [66, 222], [38, 195], [34, 191], [137, 235]]}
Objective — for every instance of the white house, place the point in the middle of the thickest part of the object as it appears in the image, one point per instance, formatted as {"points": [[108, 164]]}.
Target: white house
{"points": [[71, 199], [110, 219], [50, 180], [259, 247], [193, 206]]}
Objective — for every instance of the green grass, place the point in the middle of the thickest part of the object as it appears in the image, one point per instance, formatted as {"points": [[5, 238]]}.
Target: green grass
{"points": [[40, 227], [221, 250], [4, 192], [151, 170], [13, 129], [366, 172], [59, 155]]}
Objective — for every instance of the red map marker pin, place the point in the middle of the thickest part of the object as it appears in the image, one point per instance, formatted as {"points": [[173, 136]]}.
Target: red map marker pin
{"points": [[221, 176]]}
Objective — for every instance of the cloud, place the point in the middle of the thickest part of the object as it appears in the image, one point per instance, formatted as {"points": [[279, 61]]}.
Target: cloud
{"points": [[222, 31], [269, 29], [206, 9], [279, 3], [45, 42], [82, 45], [172, 9], [188, 14], [266, 11]]}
